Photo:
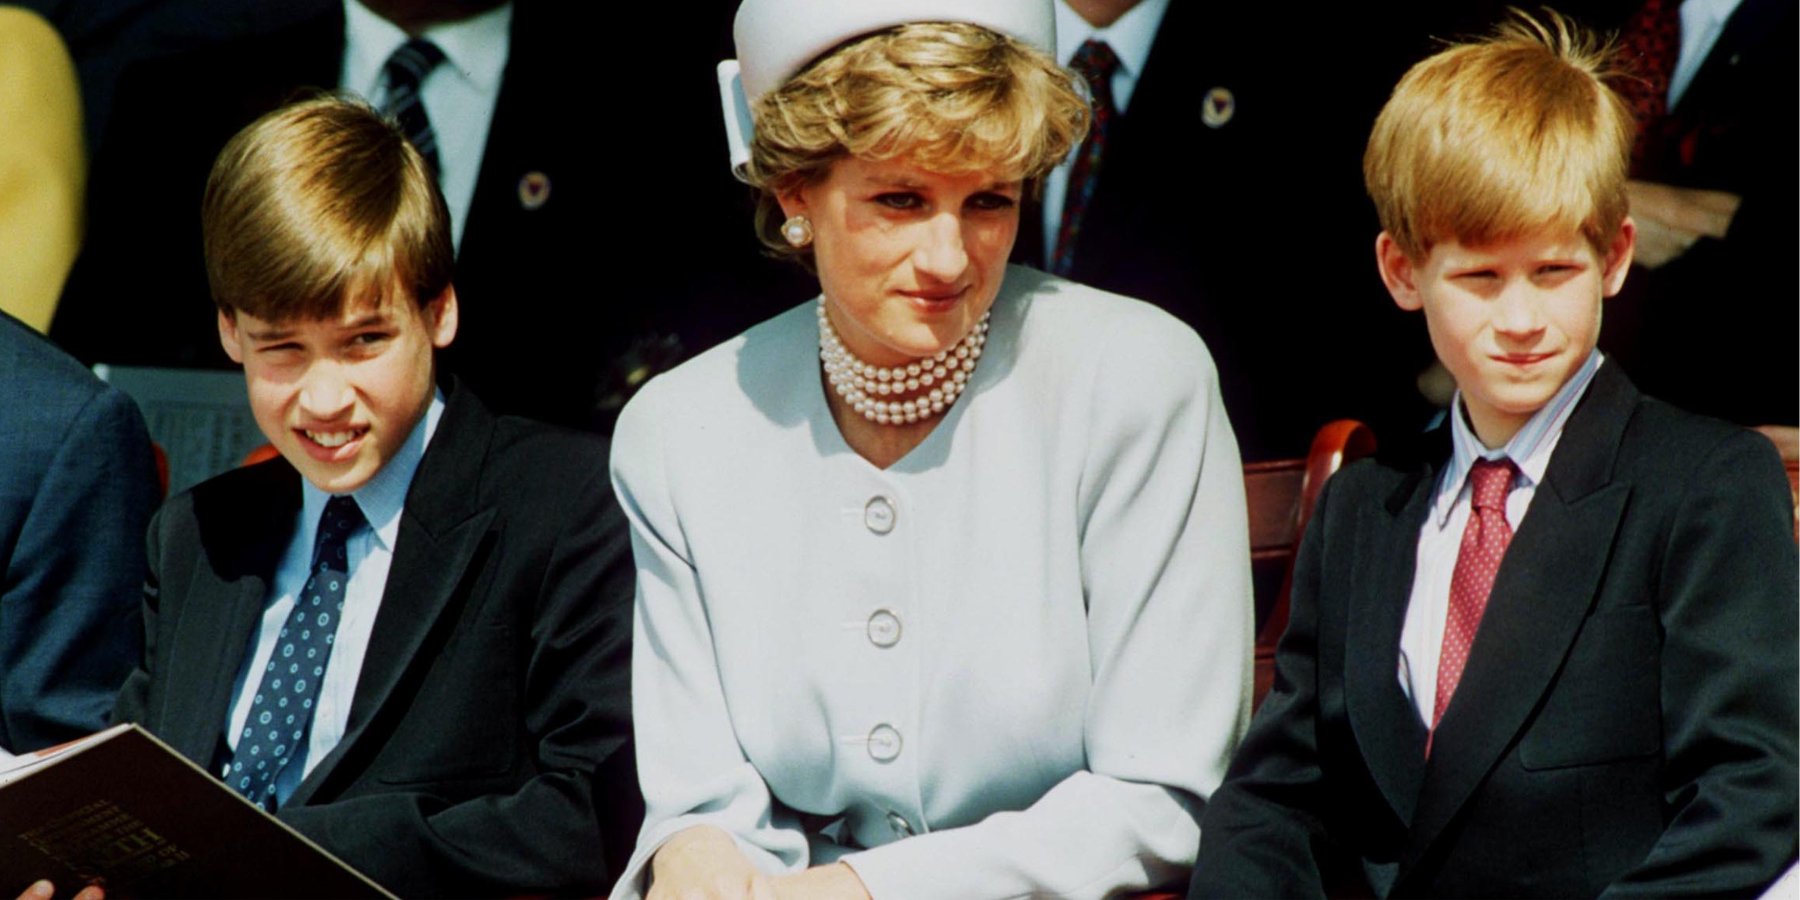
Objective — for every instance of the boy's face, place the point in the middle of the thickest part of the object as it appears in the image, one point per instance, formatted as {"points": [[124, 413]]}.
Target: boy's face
{"points": [[1512, 320], [337, 397]]}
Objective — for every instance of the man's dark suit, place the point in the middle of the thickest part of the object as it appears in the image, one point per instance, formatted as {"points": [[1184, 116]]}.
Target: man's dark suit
{"points": [[1256, 232], [533, 340], [77, 486], [487, 750], [1627, 716]]}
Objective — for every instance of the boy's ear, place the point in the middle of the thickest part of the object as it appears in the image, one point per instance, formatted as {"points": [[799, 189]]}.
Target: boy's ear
{"points": [[441, 318], [1618, 258], [1398, 273], [229, 337]]}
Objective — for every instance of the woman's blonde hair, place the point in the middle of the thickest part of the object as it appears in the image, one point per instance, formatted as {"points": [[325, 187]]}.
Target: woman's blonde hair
{"points": [[319, 200], [1491, 140], [950, 97]]}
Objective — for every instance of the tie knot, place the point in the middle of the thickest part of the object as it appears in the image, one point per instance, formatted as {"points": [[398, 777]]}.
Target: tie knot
{"points": [[342, 517], [1490, 481], [1096, 62], [412, 62]]}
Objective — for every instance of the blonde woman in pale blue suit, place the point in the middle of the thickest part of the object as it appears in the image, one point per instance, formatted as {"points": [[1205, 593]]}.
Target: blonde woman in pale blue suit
{"points": [[943, 577]]}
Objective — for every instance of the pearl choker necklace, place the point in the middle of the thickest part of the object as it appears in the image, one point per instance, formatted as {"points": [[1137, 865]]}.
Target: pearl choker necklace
{"points": [[934, 381]]}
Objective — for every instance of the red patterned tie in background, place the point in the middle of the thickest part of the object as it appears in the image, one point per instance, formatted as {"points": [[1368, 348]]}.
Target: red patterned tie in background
{"points": [[1649, 45]]}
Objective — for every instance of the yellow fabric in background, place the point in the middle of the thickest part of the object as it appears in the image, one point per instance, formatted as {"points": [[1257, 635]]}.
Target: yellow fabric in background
{"points": [[43, 170]]}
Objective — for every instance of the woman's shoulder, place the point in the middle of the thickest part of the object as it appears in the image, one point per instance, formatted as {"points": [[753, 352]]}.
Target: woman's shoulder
{"points": [[716, 374], [1124, 336]]}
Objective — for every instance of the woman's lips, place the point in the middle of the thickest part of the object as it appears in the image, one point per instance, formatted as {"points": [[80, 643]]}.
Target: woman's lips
{"points": [[937, 297]]}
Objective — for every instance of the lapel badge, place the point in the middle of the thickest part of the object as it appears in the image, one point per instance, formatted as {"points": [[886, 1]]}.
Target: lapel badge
{"points": [[1217, 107], [534, 190]]}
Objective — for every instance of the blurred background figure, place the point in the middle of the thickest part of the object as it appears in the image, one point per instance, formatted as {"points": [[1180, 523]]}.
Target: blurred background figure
{"points": [[1716, 195], [489, 89], [1220, 127], [43, 166]]}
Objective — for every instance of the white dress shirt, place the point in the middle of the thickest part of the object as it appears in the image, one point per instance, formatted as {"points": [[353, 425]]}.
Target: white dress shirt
{"points": [[1130, 38], [370, 551], [1440, 538], [1013, 663], [459, 95]]}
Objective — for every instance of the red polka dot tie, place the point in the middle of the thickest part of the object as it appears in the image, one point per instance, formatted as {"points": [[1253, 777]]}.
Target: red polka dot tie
{"points": [[1483, 544]]}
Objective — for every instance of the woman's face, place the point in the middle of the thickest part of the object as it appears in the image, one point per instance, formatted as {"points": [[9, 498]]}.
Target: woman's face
{"points": [[909, 259]]}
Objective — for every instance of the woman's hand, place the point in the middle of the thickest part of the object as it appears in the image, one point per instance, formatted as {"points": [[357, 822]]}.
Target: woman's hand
{"points": [[833, 882], [702, 863]]}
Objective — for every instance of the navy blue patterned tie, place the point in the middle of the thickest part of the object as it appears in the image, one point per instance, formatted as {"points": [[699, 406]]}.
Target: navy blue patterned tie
{"points": [[281, 713], [1095, 62], [406, 71]]}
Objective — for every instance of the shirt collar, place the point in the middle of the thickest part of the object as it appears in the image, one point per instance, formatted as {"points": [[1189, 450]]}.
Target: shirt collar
{"points": [[1529, 449], [384, 496], [475, 47], [1130, 37], [1706, 13]]}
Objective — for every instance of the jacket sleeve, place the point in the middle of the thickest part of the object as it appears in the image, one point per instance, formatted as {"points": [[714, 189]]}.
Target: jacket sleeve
{"points": [[690, 767], [1728, 618], [71, 629], [1164, 563], [548, 834]]}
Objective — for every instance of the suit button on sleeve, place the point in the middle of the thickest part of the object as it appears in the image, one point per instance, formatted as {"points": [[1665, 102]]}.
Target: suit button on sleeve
{"points": [[879, 515]]}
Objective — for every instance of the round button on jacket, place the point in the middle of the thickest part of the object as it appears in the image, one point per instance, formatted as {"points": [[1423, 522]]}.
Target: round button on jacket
{"points": [[901, 827], [879, 516], [884, 628], [884, 743]]}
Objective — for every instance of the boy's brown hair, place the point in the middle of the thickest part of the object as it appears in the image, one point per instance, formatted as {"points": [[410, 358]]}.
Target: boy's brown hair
{"points": [[1489, 140], [319, 201]]}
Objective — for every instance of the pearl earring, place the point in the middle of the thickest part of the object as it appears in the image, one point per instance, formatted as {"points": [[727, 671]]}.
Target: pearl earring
{"points": [[797, 231]]}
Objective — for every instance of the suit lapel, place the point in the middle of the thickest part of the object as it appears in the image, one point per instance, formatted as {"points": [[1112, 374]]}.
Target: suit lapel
{"points": [[1541, 596], [1386, 726], [441, 529], [224, 606]]}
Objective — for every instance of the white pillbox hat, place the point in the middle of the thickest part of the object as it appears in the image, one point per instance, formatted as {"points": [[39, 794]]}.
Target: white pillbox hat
{"points": [[777, 38]]}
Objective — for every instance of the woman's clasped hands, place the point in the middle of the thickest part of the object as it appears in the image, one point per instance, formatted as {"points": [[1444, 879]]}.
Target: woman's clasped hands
{"points": [[704, 863]]}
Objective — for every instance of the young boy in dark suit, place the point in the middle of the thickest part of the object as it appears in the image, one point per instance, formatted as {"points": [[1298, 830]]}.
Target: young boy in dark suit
{"points": [[1555, 655], [408, 636]]}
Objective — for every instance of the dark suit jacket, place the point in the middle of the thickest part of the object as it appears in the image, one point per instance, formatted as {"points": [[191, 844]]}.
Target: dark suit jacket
{"points": [[1627, 717], [1257, 233], [487, 750], [534, 341], [77, 486]]}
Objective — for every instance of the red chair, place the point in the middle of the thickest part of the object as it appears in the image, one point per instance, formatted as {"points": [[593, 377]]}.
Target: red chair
{"points": [[261, 453], [162, 468], [1281, 495]]}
